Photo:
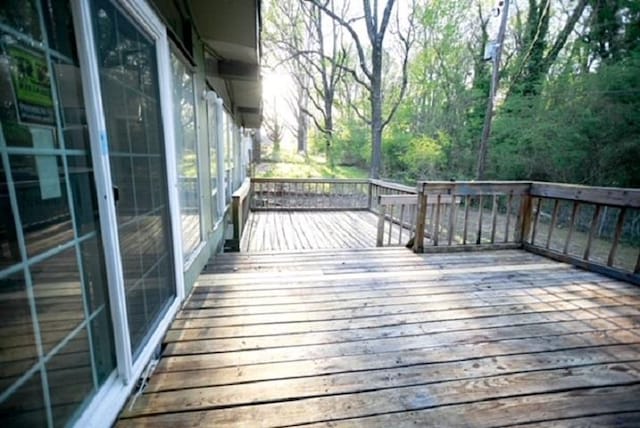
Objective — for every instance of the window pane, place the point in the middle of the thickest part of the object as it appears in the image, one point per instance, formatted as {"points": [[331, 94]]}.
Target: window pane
{"points": [[25, 407], [42, 200], [186, 156], [18, 351], [58, 294], [69, 377], [9, 251], [22, 16]]}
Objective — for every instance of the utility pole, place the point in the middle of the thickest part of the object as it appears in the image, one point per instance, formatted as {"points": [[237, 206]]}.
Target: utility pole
{"points": [[495, 79]]}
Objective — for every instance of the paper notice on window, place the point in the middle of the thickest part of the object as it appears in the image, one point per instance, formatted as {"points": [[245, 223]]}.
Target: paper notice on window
{"points": [[46, 165]]}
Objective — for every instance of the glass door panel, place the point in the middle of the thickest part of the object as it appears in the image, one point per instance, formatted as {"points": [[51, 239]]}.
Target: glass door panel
{"points": [[56, 337], [131, 101]]}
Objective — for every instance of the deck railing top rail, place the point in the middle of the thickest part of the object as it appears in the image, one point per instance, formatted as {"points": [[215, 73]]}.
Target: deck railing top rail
{"points": [[612, 196]]}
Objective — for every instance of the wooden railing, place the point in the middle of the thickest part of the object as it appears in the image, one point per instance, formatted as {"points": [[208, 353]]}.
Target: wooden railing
{"points": [[596, 228], [591, 227], [470, 215], [240, 212], [381, 187], [399, 213], [309, 194]]}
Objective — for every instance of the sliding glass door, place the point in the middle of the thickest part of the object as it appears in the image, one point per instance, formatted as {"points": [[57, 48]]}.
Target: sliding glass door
{"points": [[56, 336], [128, 71]]}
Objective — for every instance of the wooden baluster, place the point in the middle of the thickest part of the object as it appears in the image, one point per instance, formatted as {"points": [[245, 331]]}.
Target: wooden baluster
{"points": [[418, 242], [508, 222], [494, 217], [552, 225], [436, 226], [432, 219], [452, 218], [390, 224], [592, 231], [401, 224], [616, 236], [535, 220], [574, 213], [481, 208], [467, 201]]}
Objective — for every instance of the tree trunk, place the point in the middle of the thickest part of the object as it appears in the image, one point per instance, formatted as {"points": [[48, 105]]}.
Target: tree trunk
{"points": [[328, 128], [376, 112], [495, 79], [303, 127]]}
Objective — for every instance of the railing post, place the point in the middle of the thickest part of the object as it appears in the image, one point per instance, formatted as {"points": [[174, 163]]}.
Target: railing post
{"points": [[525, 216], [421, 212], [381, 214], [236, 213]]}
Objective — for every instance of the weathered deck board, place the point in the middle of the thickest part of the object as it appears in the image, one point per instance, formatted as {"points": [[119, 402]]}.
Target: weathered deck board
{"points": [[305, 230], [381, 337]]}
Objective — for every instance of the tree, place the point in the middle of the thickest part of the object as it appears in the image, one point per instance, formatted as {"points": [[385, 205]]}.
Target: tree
{"points": [[370, 60], [315, 55], [495, 80]]}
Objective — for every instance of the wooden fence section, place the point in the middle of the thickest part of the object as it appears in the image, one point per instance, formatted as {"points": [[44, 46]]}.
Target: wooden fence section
{"points": [[471, 215], [309, 194], [592, 227], [379, 187], [396, 211], [240, 212], [596, 228]]}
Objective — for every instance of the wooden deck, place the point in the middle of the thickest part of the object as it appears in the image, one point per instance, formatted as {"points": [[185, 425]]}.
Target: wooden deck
{"points": [[386, 337], [304, 230]]}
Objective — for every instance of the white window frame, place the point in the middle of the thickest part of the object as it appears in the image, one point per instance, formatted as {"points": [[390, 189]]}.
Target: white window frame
{"points": [[220, 153], [106, 404], [186, 262]]}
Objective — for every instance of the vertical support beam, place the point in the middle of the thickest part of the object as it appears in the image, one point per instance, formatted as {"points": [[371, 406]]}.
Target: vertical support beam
{"points": [[418, 240], [592, 231], [617, 235]]}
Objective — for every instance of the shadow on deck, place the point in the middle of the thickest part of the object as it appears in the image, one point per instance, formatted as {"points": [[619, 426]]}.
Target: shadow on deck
{"points": [[380, 337], [299, 330]]}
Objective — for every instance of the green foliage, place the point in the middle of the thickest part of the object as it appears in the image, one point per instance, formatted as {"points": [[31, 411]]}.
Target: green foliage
{"points": [[568, 107], [583, 129], [351, 144]]}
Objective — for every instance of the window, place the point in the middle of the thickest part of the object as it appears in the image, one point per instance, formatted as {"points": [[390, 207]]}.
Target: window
{"points": [[212, 127], [55, 321], [128, 70], [186, 155]]}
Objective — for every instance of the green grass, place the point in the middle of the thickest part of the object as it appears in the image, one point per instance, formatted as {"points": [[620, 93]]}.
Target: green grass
{"points": [[288, 164]]}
